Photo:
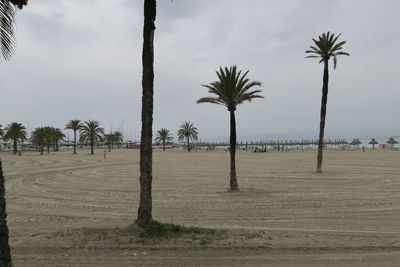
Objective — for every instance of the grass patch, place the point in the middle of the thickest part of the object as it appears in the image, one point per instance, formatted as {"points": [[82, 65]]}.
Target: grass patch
{"points": [[157, 229]]}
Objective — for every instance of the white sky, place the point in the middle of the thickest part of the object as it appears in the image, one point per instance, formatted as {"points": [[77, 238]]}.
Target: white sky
{"points": [[81, 59]]}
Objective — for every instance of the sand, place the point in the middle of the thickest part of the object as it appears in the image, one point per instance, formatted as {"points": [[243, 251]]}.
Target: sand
{"points": [[285, 214]]}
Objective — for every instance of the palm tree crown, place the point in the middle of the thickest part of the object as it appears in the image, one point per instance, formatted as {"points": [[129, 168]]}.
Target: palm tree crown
{"points": [[327, 48], [19, 3], [231, 89], [39, 136], [91, 132], [1, 131], [188, 131], [118, 137], [15, 131], [7, 20], [74, 125], [113, 138], [163, 136]]}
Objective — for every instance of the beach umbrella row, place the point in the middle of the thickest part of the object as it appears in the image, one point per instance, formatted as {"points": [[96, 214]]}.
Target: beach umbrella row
{"points": [[292, 143]]}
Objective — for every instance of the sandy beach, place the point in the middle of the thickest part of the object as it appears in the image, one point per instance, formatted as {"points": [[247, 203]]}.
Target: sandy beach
{"points": [[285, 214]]}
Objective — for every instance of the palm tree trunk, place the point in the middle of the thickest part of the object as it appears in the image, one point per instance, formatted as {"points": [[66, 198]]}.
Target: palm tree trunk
{"points": [[91, 146], [163, 146], [324, 101], [41, 150], [233, 180], [15, 146], [5, 255], [48, 148], [188, 144], [146, 154], [74, 141]]}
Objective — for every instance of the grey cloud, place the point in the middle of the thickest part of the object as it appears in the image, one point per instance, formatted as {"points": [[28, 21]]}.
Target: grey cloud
{"points": [[82, 59]]}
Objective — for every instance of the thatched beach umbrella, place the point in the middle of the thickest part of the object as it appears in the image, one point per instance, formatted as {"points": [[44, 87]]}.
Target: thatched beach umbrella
{"points": [[392, 142], [373, 142], [355, 143]]}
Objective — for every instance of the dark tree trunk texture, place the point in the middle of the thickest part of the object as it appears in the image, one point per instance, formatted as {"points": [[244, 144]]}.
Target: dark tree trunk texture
{"points": [[15, 146], [5, 255], [41, 150], [146, 154], [163, 145], [74, 141], [233, 179], [324, 101], [48, 148], [91, 146], [188, 144]]}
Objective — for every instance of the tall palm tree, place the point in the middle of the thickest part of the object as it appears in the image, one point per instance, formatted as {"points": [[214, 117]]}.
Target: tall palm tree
{"points": [[16, 132], [6, 50], [163, 137], [187, 132], [230, 90], [325, 48], [145, 217], [91, 132], [74, 125]]}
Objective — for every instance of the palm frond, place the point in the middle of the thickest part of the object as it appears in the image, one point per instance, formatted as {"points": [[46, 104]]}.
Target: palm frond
{"points": [[229, 88], [326, 48], [7, 21]]}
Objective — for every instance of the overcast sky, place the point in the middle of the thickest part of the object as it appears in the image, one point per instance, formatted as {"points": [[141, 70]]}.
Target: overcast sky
{"points": [[81, 59]]}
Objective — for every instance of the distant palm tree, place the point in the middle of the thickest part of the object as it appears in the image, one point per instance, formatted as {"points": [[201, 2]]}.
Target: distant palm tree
{"points": [[91, 132], [163, 137], [187, 131], [145, 217], [16, 132], [57, 136], [325, 49], [6, 49], [74, 125], [118, 138], [48, 137], [109, 140], [38, 138], [232, 89]]}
